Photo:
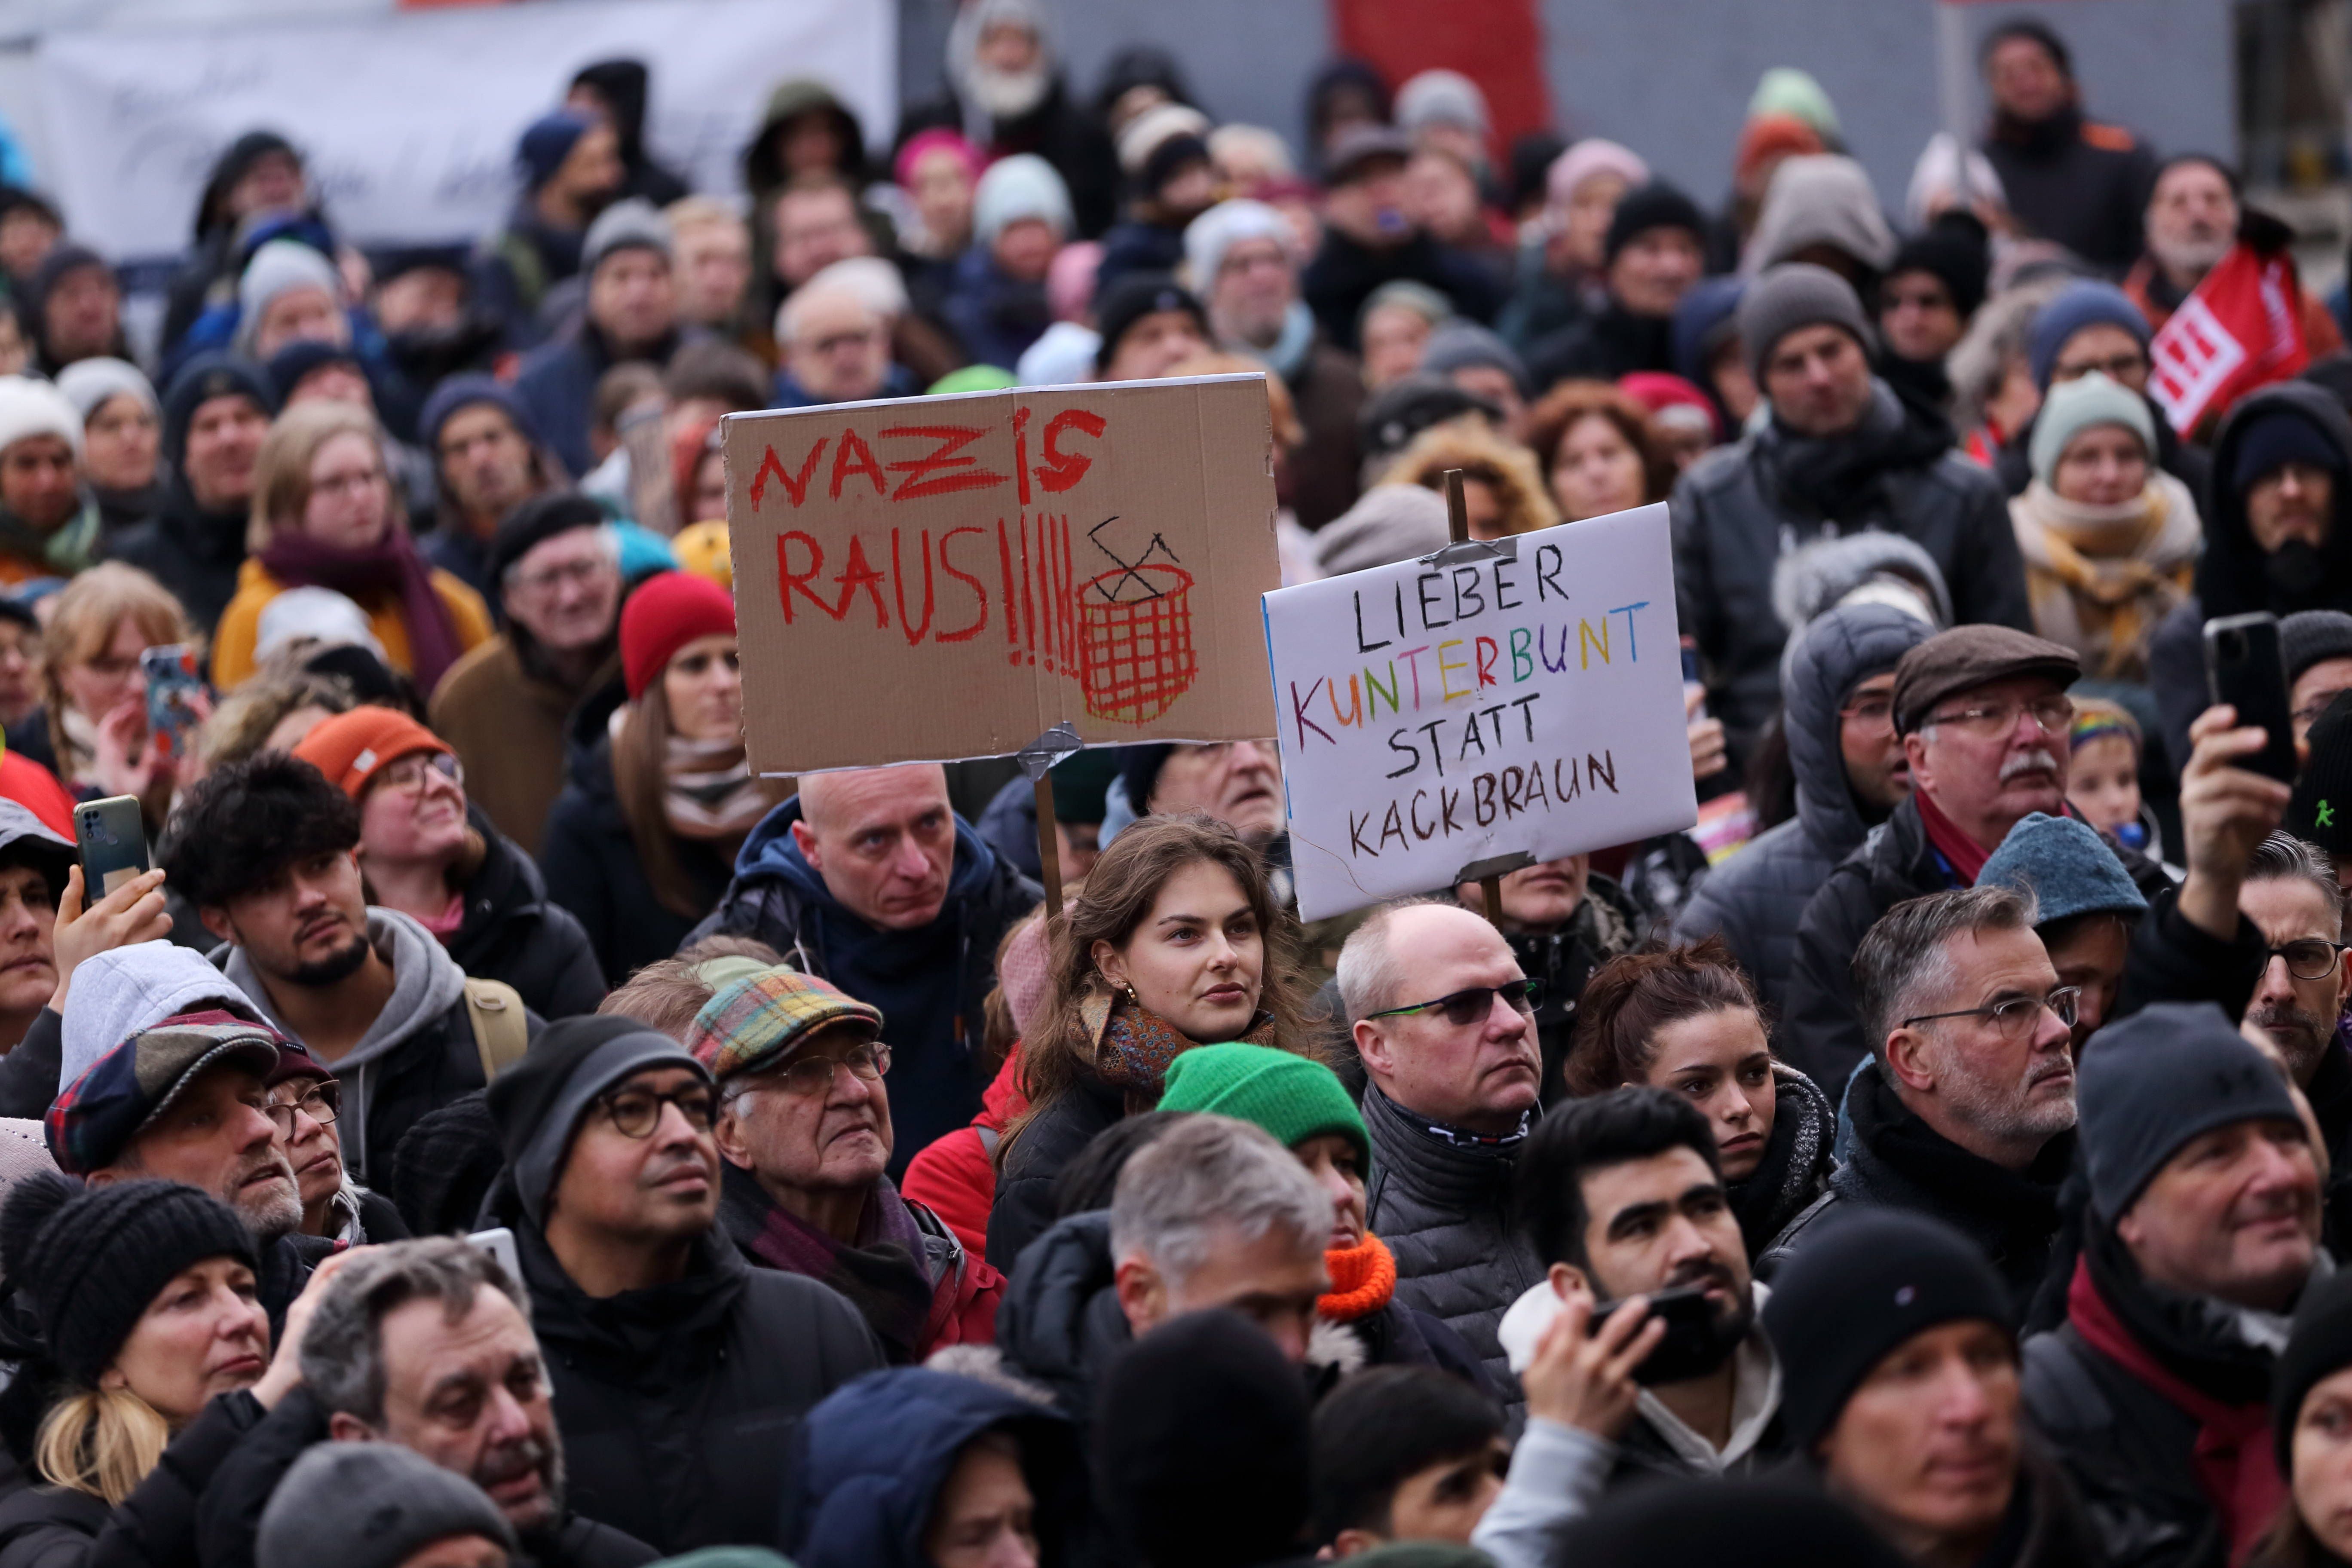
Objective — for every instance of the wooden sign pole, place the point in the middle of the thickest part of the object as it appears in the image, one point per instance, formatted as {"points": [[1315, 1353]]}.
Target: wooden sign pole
{"points": [[1049, 847], [1457, 526]]}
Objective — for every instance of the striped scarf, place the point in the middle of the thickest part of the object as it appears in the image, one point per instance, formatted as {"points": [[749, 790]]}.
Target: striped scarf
{"points": [[708, 791]]}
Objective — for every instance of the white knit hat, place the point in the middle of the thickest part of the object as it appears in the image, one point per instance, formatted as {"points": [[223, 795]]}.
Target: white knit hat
{"points": [[1022, 186], [1218, 230], [31, 407], [88, 384]]}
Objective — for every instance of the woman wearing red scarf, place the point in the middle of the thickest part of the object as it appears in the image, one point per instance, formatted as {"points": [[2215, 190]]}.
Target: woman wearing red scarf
{"points": [[1302, 1104], [327, 515]]}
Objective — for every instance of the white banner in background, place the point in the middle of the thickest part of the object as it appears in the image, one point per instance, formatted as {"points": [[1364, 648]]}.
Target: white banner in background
{"points": [[409, 120]]}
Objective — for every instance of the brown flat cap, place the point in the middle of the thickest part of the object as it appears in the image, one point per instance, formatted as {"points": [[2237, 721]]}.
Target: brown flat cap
{"points": [[1967, 657]]}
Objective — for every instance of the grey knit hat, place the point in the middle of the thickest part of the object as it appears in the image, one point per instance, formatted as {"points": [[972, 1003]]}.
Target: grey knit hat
{"points": [[1798, 294], [2308, 637], [371, 1505], [2064, 867], [635, 222]]}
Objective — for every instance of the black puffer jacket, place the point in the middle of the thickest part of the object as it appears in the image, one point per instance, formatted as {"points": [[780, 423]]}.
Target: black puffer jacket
{"points": [[1024, 1208], [1444, 1208], [674, 1401], [513, 931], [2234, 576], [589, 858], [1740, 508], [229, 1516], [1060, 1323], [154, 1526], [1753, 900]]}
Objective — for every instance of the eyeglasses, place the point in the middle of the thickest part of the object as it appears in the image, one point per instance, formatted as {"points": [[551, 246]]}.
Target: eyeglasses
{"points": [[321, 1102], [410, 772], [813, 1076], [1872, 713], [546, 580], [2117, 367], [1463, 1008], [635, 1112], [2308, 958], [2014, 1015], [2053, 714]]}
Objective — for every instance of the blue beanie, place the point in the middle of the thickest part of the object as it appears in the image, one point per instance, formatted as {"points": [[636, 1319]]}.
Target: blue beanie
{"points": [[2066, 867], [2276, 438], [2150, 1083], [547, 141], [2082, 303], [463, 392]]}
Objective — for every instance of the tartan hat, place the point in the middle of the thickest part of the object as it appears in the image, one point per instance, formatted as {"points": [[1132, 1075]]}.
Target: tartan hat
{"points": [[95, 1118], [756, 1021]]}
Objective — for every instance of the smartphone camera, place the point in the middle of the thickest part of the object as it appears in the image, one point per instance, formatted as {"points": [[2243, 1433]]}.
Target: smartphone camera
{"points": [[2232, 644]]}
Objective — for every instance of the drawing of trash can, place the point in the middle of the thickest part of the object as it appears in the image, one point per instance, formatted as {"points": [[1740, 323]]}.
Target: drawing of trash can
{"points": [[1135, 642]]}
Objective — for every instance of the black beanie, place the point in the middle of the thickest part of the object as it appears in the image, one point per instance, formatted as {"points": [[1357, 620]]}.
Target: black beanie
{"points": [[539, 1102], [2320, 810], [1716, 1523], [2318, 1346], [1959, 257], [1655, 206], [1139, 770], [1203, 1445], [1869, 1282], [2171, 1072], [535, 522], [93, 1258], [2308, 637], [1131, 298]]}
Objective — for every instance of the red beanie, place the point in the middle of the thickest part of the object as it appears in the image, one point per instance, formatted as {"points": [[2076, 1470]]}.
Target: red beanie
{"points": [[669, 611]]}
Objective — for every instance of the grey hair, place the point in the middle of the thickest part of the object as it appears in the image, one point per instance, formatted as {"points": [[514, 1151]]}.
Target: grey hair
{"points": [[2284, 857], [1211, 1177], [1906, 959], [1367, 969], [342, 1350]]}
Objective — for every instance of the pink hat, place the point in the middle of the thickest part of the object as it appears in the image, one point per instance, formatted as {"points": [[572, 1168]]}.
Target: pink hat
{"points": [[902, 167]]}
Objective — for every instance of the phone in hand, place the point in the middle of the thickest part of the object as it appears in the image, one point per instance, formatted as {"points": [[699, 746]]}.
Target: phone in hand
{"points": [[112, 837], [2243, 668], [174, 682], [1692, 1344]]}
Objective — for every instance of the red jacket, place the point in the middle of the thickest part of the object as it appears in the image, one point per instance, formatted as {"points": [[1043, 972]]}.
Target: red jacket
{"points": [[963, 1305], [955, 1177]]}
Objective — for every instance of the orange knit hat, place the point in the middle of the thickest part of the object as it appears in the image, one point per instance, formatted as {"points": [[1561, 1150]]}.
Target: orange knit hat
{"points": [[351, 748]]}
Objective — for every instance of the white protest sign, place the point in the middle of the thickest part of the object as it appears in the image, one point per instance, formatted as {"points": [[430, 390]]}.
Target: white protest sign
{"points": [[409, 120], [1436, 717]]}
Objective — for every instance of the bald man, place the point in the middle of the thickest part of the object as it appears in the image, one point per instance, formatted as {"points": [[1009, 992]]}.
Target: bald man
{"points": [[836, 348], [868, 878]]}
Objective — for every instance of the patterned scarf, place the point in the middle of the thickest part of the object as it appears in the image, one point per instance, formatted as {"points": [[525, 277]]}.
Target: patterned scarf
{"points": [[881, 1272], [1134, 1046], [708, 791], [1364, 1279], [2101, 577]]}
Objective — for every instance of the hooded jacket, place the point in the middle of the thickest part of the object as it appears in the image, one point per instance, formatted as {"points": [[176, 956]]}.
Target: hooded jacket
{"points": [[1444, 1207], [676, 1401], [194, 550], [1754, 899], [1739, 509], [623, 84], [512, 931], [877, 1454], [589, 856], [419, 1053], [929, 982], [228, 1517], [2234, 576]]}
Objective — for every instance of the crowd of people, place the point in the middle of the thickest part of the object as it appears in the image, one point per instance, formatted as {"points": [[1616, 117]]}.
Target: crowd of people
{"points": [[502, 1127]]}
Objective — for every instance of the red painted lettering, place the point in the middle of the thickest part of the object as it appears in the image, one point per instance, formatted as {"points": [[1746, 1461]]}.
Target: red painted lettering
{"points": [[1487, 651], [907, 623], [859, 573], [788, 579], [954, 473], [855, 457], [979, 591], [1021, 451], [795, 484], [1061, 470]]}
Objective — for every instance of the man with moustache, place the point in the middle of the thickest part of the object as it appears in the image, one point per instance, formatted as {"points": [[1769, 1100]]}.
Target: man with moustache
{"points": [[1984, 717], [1966, 1110], [267, 851], [426, 1344], [678, 1370], [1622, 1197]]}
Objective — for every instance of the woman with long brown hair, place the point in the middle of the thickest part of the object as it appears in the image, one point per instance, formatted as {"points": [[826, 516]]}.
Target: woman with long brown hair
{"points": [[1174, 940], [643, 839], [1686, 1019]]}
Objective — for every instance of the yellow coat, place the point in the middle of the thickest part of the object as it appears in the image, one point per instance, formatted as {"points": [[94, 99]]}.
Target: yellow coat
{"points": [[240, 624]]}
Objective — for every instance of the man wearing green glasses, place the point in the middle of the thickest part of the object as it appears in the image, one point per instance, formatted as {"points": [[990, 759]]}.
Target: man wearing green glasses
{"points": [[680, 1370], [1985, 719], [805, 1129]]}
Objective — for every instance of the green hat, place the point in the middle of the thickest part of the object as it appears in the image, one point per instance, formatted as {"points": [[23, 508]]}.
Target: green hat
{"points": [[1785, 90], [973, 378], [1294, 1098]]}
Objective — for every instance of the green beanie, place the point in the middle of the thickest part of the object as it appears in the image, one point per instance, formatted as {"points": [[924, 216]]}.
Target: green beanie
{"points": [[973, 378], [1291, 1097]]}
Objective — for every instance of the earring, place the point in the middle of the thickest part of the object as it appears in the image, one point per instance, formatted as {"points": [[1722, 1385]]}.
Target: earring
{"points": [[1132, 999]]}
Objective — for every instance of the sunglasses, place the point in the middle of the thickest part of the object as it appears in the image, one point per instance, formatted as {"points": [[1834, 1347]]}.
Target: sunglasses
{"points": [[1463, 1008]]}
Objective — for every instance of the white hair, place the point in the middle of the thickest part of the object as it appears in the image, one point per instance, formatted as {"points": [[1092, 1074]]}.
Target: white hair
{"points": [[1210, 1178]]}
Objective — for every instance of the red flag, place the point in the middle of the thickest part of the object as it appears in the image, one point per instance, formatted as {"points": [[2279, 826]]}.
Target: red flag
{"points": [[2242, 328]]}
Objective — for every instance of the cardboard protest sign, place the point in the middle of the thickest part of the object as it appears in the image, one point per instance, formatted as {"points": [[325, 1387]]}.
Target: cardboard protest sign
{"points": [[1525, 700], [936, 578]]}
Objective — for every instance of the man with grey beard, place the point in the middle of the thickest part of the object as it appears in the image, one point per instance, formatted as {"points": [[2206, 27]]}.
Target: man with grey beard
{"points": [[428, 1344], [1966, 1108], [2290, 893], [2192, 224], [1984, 717]]}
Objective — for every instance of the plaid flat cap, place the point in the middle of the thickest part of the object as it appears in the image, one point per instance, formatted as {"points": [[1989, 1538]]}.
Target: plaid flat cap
{"points": [[96, 1116], [755, 1022]]}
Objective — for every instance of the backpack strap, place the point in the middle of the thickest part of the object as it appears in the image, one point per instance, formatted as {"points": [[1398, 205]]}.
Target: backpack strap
{"points": [[501, 1032]]}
